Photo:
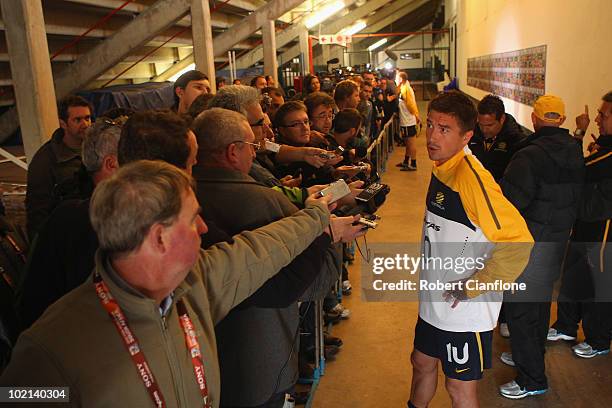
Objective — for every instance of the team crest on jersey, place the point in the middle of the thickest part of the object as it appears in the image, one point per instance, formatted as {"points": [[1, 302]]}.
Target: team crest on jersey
{"points": [[438, 200]]}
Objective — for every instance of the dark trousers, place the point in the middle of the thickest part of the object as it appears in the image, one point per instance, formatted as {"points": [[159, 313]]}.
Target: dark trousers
{"points": [[528, 314], [596, 321], [502, 314], [569, 315], [528, 324], [585, 294]]}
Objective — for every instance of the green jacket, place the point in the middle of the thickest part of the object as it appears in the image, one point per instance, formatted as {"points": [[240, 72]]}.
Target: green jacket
{"points": [[75, 343]]}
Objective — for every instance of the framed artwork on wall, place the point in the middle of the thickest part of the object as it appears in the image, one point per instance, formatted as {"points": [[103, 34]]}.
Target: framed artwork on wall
{"points": [[518, 75]]}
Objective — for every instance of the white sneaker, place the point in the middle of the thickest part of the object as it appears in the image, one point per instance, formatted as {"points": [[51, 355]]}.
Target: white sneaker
{"points": [[342, 311], [506, 358], [554, 335], [513, 391], [504, 331], [585, 350]]}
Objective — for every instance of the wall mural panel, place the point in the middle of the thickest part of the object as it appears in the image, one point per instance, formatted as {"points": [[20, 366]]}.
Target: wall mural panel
{"points": [[517, 75]]}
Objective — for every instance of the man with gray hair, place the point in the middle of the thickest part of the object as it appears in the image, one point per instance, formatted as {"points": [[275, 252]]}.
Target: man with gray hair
{"points": [[146, 316], [246, 100], [259, 337]]}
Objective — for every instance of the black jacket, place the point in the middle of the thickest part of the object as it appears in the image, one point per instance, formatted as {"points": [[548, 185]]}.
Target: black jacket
{"points": [[596, 204], [52, 177], [61, 258], [496, 157], [544, 181]]}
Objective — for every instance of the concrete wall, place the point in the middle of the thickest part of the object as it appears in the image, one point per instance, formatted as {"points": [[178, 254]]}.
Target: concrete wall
{"points": [[576, 33]]}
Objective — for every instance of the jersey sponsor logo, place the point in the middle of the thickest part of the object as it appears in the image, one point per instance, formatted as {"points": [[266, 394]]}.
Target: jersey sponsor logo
{"points": [[432, 226]]}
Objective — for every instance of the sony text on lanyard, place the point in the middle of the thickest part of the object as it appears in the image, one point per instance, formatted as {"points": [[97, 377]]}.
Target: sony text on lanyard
{"points": [[131, 343]]}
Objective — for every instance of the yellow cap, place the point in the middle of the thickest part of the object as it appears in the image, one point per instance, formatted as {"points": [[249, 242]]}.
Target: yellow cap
{"points": [[549, 108]]}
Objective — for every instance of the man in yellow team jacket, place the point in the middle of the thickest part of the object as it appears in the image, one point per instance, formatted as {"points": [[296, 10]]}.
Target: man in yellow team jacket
{"points": [[466, 217]]}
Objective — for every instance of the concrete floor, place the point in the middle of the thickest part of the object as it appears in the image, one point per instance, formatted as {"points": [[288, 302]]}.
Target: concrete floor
{"points": [[373, 369]]}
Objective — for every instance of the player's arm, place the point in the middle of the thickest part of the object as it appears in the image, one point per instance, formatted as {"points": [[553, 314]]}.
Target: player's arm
{"points": [[501, 223]]}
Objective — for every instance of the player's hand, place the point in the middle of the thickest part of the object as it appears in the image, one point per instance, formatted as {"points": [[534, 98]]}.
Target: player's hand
{"points": [[457, 295]]}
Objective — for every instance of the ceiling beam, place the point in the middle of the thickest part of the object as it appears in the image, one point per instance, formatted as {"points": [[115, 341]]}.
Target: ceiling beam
{"points": [[157, 18], [383, 17], [271, 11], [382, 20], [333, 27], [239, 32], [245, 5], [292, 33]]}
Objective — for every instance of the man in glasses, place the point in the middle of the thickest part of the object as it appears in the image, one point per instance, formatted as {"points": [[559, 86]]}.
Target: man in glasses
{"points": [[246, 100], [257, 339], [293, 127], [320, 107]]}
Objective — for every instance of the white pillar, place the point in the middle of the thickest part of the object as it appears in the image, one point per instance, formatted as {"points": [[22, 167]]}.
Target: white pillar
{"points": [[304, 50], [203, 41], [269, 50], [31, 71]]}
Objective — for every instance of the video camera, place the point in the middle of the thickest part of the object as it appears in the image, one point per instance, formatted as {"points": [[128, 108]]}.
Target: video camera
{"points": [[368, 201]]}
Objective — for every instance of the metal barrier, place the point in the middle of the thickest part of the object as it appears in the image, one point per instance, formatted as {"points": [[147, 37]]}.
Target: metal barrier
{"points": [[378, 153], [382, 146]]}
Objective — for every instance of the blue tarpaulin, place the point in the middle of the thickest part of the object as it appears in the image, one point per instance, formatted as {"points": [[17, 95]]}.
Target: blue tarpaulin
{"points": [[150, 95]]}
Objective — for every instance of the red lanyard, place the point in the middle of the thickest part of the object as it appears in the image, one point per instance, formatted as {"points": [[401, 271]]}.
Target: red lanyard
{"points": [[131, 344]]}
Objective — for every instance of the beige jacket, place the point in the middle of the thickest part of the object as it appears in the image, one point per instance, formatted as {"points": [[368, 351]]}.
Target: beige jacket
{"points": [[75, 343]]}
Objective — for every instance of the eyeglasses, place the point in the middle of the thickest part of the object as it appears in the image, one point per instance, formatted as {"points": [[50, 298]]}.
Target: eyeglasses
{"points": [[259, 123], [301, 123], [254, 145]]}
